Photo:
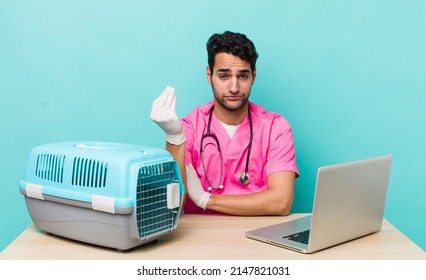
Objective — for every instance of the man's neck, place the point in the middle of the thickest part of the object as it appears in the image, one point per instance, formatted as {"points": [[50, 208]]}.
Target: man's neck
{"points": [[230, 117]]}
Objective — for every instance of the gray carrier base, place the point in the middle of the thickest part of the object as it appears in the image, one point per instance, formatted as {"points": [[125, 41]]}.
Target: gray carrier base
{"points": [[118, 231]]}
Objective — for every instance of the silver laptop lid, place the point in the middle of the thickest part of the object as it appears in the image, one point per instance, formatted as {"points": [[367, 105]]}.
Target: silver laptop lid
{"points": [[349, 201]]}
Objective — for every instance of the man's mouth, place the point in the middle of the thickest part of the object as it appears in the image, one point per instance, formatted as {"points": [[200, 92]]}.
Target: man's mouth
{"points": [[234, 97]]}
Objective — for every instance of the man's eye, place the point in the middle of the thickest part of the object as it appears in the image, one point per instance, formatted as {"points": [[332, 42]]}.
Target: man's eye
{"points": [[244, 77], [223, 77]]}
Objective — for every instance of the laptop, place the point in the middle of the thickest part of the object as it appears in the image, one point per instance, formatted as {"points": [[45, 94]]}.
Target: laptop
{"points": [[349, 203]]}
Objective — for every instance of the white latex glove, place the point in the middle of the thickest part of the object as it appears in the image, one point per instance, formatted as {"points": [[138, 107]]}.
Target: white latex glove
{"points": [[195, 189], [163, 113]]}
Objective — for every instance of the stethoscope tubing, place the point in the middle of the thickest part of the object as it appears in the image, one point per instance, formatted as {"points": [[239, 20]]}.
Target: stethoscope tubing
{"points": [[244, 176]]}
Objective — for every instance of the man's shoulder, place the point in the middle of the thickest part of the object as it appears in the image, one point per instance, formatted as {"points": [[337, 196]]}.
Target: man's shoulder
{"points": [[265, 116], [260, 111]]}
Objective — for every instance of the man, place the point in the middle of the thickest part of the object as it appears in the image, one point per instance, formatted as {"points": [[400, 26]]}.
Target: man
{"points": [[235, 157]]}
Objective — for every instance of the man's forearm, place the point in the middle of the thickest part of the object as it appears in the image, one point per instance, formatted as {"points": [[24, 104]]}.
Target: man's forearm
{"points": [[276, 200], [261, 203]]}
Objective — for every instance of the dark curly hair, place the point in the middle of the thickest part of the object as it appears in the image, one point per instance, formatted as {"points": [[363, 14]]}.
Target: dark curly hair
{"points": [[236, 44]]}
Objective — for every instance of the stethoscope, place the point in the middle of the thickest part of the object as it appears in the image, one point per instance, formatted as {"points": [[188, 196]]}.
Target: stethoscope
{"points": [[244, 176]]}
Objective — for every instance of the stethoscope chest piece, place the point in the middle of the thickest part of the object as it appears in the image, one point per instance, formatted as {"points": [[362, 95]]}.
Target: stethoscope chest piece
{"points": [[245, 178]]}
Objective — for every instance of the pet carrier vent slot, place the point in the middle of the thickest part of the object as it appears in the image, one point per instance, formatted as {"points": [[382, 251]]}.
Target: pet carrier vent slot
{"points": [[89, 173], [50, 167], [153, 215]]}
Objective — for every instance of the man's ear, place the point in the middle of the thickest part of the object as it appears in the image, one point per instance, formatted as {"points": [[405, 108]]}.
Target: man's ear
{"points": [[209, 74], [254, 75]]}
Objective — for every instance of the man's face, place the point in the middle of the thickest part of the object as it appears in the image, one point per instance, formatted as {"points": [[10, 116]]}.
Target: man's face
{"points": [[231, 81]]}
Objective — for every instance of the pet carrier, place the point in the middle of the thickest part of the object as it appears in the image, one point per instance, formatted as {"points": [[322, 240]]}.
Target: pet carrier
{"points": [[109, 194]]}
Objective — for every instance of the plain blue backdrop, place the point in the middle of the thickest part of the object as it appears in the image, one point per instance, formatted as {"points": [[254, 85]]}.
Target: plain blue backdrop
{"points": [[350, 76]]}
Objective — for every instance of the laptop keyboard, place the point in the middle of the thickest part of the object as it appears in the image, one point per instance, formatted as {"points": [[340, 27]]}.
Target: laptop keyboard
{"points": [[301, 237]]}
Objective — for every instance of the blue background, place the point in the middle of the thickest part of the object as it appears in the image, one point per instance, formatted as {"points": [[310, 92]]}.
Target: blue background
{"points": [[350, 76]]}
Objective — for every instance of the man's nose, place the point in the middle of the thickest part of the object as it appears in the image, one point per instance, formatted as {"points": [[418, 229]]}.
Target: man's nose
{"points": [[234, 86]]}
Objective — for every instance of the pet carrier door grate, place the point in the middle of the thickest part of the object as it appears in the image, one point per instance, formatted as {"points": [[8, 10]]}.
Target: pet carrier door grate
{"points": [[153, 215]]}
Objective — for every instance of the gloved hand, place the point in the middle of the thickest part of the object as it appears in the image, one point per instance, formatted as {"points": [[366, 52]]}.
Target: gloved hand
{"points": [[163, 113], [195, 189]]}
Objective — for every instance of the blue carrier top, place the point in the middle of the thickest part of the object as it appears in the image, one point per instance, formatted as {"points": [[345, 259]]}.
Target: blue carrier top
{"points": [[101, 174]]}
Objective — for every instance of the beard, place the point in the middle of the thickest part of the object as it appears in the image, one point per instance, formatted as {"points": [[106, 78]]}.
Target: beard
{"points": [[230, 105]]}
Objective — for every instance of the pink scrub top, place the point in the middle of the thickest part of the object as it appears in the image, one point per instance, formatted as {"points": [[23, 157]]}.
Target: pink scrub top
{"points": [[272, 151]]}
